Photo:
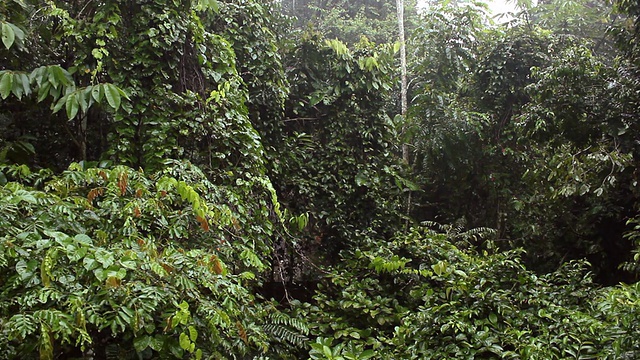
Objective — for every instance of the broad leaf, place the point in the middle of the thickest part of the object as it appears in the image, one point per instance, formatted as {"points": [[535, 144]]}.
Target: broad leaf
{"points": [[8, 35], [72, 105], [97, 93], [113, 95], [6, 83]]}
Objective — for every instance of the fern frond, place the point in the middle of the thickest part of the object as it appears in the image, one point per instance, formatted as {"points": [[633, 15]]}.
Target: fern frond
{"points": [[280, 318], [284, 334], [287, 329], [436, 226], [478, 233]]}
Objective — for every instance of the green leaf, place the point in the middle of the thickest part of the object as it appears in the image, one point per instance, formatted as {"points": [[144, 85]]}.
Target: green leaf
{"points": [[126, 314], [97, 93], [72, 105], [439, 268], [117, 272], [361, 179], [176, 351], [58, 106], [141, 343], [104, 257], [17, 88], [8, 35], [158, 269], [193, 333], [26, 83], [247, 275], [327, 352], [129, 264], [89, 263], [84, 98], [204, 5], [185, 343], [25, 269], [54, 76], [184, 306], [396, 46], [38, 75], [19, 33], [23, 325], [316, 98], [157, 342], [43, 91], [6, 84], [367, 354], [83, 239], [112, 94], [100, 274], [59, 76]]}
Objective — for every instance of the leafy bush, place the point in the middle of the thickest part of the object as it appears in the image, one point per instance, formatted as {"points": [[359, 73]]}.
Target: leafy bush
{"points": [[337, 161], [421, 297], [120, 264]]}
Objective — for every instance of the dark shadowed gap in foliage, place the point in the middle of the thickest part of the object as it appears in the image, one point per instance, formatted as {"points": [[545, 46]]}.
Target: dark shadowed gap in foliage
{"points": [[284, 293], [612, 255]]}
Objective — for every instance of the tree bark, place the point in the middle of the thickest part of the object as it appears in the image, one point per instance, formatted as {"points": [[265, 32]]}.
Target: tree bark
{"points": [[403, 72], [403, 93]]}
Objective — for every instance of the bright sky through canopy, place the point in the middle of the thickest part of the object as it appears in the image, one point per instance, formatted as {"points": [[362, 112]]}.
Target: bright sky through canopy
{"points": [[501, 6], [496, 7]]}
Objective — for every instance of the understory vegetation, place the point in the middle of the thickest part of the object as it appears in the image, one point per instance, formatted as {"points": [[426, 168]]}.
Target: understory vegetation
{"points": [[239, 179]]}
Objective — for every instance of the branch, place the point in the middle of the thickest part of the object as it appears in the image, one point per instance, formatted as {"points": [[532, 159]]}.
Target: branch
{"points": [[301, 119]]}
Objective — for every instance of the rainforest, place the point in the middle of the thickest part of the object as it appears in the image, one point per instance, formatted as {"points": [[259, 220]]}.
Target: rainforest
{"points": [[319, 179]]}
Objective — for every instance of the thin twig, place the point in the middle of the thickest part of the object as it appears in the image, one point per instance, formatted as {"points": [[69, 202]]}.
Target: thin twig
{"points": [[300, 119]]}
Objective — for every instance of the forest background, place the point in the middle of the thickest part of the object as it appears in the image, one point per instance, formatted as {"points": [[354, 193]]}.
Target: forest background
{"points": [[239, 180]]}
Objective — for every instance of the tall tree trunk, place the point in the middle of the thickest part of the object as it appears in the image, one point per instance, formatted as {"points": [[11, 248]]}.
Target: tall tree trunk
{"points": [[403, 92], [403, 71]]}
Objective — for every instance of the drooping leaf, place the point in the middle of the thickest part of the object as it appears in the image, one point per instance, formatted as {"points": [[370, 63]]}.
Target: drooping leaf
{"points": [[8, 35], [72, 105], [26, 83], [97, 92], [59, 104], [142, 342], [6, 84], [112, 94]]}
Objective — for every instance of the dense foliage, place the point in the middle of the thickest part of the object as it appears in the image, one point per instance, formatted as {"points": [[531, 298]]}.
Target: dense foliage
{"points": [[340, 168], [350, 21], [220, 179], [115, 263], [431, 296], [529, 130]]}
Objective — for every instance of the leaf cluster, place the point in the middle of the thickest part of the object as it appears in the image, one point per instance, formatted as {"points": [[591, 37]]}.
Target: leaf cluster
{"points": [[421, 297], [154, 266]]}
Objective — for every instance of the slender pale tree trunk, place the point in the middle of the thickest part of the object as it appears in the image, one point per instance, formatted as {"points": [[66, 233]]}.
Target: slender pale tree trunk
{"points": [[403, 90], [403, 69]]}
